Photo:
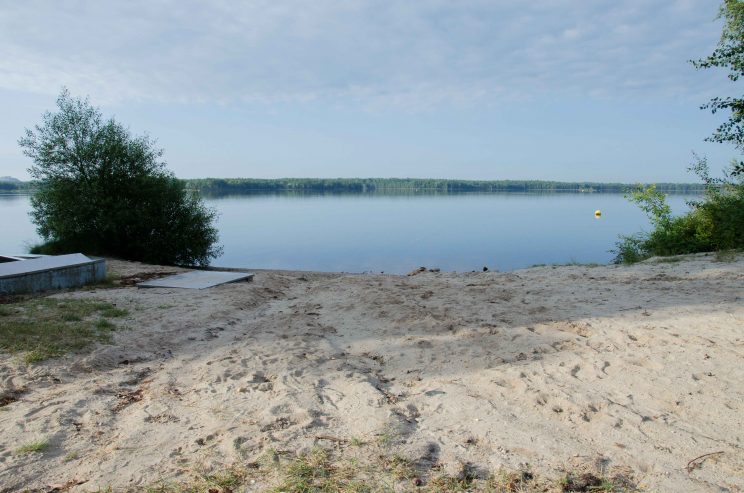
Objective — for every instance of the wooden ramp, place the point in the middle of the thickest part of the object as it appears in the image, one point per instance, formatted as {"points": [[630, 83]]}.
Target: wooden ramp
{"points": [[197, 279]]}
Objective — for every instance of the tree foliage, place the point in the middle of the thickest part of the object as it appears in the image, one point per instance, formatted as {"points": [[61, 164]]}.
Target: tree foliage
{"points": [[716, 222], [105, 191], [729, 55]]}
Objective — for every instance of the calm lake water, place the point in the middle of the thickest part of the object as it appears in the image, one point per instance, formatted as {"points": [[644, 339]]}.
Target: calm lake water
{"points": [[395, 234]]}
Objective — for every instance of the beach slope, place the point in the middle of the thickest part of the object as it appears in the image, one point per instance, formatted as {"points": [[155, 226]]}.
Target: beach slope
{"points": [[629, 372]]}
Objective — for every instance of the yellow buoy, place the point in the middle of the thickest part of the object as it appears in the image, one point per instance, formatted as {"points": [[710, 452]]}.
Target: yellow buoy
{"points": [[597, 213]]}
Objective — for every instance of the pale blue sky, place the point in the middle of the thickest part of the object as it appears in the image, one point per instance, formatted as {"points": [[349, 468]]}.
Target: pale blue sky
{"points": [[500, 89]]}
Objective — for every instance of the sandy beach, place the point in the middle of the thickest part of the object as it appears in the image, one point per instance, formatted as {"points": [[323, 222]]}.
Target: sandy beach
{"points": [[633, 373]]}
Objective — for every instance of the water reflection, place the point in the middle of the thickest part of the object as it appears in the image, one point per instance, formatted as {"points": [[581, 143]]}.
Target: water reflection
{"points": [[398, 232]]}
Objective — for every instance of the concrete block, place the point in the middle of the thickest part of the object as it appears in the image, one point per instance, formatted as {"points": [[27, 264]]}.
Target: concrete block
{"points": [[50, 272]]}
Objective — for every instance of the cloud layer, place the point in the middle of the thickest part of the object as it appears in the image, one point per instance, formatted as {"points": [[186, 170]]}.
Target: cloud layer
{"points": [[412, 55]]}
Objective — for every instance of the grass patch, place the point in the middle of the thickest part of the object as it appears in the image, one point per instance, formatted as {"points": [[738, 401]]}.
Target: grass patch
{"points": [[226, 480], [316, 473], [571, 263], [510, 481], [103, 324], [449, 484], [35, 447], [71, 456], [398, 467], [320, 471], [43, 328], [35, 356], [113, 312]]}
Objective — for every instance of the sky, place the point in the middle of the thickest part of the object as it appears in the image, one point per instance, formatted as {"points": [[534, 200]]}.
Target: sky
{"points": [[597, 90]]}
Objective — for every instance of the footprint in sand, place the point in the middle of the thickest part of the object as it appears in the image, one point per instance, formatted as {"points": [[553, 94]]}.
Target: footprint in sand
{"points": [[542, 399]]}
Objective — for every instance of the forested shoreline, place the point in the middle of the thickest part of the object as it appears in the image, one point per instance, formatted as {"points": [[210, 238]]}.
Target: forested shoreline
{"points": [[235, 186], [17, 186], [412, 185]]}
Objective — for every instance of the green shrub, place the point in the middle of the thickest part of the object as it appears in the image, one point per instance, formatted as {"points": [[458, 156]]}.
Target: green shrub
{"points": [[715, 223], [630, 249], [103, 191], [723, 214]]}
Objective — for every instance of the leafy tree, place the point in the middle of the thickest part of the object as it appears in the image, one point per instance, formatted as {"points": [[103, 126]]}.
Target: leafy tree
{"points": [[716, 222], [653, 203], [730, 55], [105, 191]]}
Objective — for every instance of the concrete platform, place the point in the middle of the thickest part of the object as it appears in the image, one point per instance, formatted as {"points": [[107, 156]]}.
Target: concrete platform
{"points": [[197, 279], [14, 258], [49, 272]]}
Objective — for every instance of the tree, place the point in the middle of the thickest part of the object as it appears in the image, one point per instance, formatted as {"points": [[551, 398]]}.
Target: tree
{"points": [[729, 54], [106, 192], [716, 222]]}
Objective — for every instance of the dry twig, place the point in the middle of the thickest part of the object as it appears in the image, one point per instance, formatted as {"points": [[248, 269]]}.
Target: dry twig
{"points": [[694, 464]]}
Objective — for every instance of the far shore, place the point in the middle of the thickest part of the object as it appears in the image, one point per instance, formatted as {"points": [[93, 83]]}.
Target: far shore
{"points": [[394, 186]]}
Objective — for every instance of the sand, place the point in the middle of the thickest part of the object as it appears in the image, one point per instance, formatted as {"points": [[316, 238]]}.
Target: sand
{"points": [[637, 368]]}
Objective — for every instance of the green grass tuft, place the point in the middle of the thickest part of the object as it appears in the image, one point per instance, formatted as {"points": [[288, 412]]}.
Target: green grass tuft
{"points": [[35, 447], [103, 324], [399, 467], [113, 312]]}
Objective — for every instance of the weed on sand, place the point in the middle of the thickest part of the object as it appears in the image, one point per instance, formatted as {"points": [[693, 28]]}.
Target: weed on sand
{"points": [[35, 447], [223, 481], [42, 328]]}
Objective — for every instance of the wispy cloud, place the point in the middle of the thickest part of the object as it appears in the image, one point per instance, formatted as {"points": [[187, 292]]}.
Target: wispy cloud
{"points": [[412, 55]]}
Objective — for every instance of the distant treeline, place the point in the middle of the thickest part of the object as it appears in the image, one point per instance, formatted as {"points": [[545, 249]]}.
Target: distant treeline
{"points": [[16, 186], [213, 186], [235, 186]]}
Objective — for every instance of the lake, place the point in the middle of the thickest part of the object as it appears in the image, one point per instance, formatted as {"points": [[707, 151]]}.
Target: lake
{"points": [[397, 233]]}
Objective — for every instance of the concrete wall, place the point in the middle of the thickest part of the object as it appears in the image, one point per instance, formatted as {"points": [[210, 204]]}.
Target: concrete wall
{"points": [[55, 278]]}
